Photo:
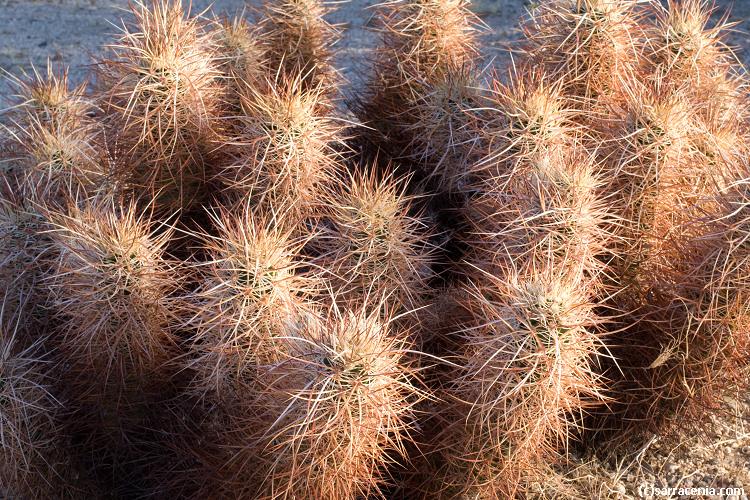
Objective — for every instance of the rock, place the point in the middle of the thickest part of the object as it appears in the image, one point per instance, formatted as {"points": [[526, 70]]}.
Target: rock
{"points": [[483, 8], [671, 468], [620, 488], [719, 470]]}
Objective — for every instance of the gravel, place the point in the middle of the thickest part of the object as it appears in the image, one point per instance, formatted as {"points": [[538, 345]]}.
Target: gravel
{"points": [[65, 32]]}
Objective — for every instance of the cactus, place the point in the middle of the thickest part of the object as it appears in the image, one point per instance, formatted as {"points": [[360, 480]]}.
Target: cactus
{"points": [[525, 371], [285, 151], [240, 56], [300, 41], [340, 400], [685, 51], [375, 249], [24, 248], [54, 152], [422, 86], [250, 288], [111, 285], [592, 44], [111, 291], [158, 88], [215, 287], [34, 461]]}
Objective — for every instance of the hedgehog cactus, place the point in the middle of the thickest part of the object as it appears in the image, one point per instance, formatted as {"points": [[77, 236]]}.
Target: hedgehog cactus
{"points": [[285, 151], [589, 43], [689, 53], [110, 284], [428, 35], [339, 401], [49, 97], [34, 461], [442, 141], [24, 247], [110, 290], [300, 41], [548, 211], [654, 152], [240, 53], [523, 373], [240, 56], [250, 290], [427, 303], [538, 190], [54, 152], [669, 180], [376, 250], [691, 343], [422, 86], [524, 118], [159, 87], [528, 339], [60, 163]]}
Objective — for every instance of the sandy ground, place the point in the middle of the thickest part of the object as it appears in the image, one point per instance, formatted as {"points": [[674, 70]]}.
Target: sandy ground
{"points": [[65, 31]]}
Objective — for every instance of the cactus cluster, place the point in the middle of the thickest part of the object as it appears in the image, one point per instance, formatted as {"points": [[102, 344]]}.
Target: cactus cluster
{"points": [[217, 284]]}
